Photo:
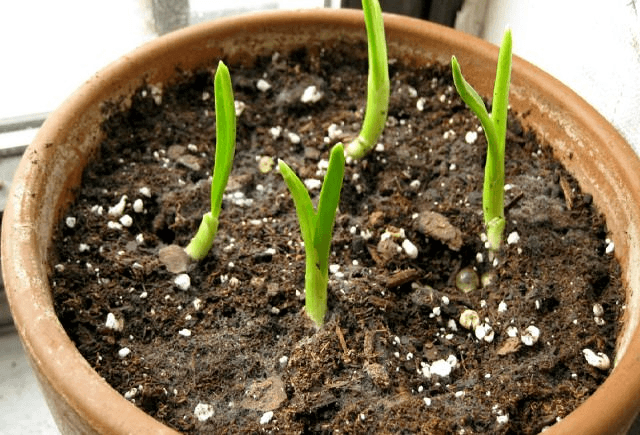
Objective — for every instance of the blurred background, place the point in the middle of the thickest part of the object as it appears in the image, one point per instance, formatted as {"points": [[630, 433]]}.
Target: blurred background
{"points": [[49, 48]]}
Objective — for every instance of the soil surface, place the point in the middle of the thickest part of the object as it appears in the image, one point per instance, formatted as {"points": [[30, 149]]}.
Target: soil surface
{"points": [[234, 351]]}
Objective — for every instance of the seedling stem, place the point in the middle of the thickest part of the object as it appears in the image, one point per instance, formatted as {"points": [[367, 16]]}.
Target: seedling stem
{"points": [[377, 83], [317, 228], [225, 150], [495, 129]]}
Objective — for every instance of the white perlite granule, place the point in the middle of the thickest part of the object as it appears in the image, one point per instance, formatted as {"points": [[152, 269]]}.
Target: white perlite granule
{"points": [[312, 183], [203, 411], [410, 249], [138, 206], [145, 191], [441, 368], [117, 210], [530, 335], [263, 85], [182, 281], [311, 95], [113, 322], [470, 137], [598, 360], [266, 417], [126, 220]]}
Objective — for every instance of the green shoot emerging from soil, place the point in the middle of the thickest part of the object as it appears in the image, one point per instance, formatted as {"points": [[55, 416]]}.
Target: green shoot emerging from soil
{"points": [[495, 130], [225, 149], [378, 82], [316, 228]]}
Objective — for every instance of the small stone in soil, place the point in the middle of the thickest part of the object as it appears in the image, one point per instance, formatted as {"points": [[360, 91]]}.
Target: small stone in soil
{"points": [[174, 258], [190, 162], [265, 395], [437, 226]]}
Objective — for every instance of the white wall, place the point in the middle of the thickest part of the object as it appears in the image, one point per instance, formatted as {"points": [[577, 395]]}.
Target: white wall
{"points": [[591, 46]]}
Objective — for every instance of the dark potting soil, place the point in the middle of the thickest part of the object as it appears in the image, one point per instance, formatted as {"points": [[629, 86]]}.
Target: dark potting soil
{"points": [[235, 353]]}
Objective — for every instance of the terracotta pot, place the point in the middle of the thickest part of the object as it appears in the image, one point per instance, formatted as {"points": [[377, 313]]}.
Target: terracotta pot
{"points": [[82, 402]]}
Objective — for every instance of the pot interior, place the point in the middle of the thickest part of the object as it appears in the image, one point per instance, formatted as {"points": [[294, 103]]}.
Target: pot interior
{"points": [[584, 142]]}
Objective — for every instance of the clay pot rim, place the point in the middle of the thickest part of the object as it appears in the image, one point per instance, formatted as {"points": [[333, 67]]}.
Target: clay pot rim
{"points": [[29, 294]]}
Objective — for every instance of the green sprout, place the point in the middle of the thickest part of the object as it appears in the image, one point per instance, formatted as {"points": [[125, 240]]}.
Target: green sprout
{"points": [[377, 84], [225, 149], [316, 228], [495, 130]]}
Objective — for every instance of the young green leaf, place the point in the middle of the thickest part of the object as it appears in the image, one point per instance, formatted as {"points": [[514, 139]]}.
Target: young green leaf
{"points": [[317, 228], [377, 84], [225, 150], [495, 129]]}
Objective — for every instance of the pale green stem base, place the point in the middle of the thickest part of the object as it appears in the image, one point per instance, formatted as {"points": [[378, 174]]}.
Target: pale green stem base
{"points": [[201, 243], [315, 303]]}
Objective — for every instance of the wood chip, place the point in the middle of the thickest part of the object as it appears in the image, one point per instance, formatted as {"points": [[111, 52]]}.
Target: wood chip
{"points": [[402, 277], [369, 336], [343, 344], [377, 373], [438, 227], [511, 345], [379, 302], [566, 189], [265, 395]]}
